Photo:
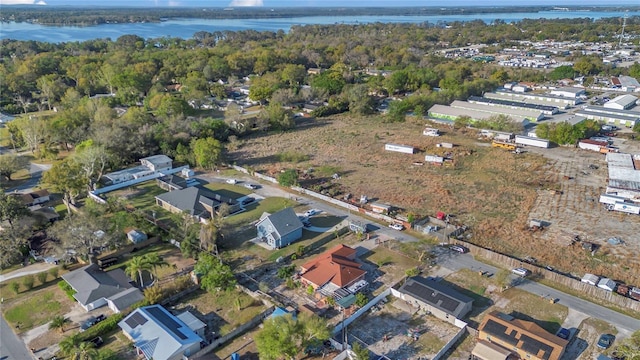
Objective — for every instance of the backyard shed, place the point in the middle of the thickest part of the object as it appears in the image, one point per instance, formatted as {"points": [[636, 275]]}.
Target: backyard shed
{"points": [[590, 279], [399, 148], [607, 284], [380, 208]]}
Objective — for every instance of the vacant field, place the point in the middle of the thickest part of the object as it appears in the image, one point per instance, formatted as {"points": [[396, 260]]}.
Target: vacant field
{"points": [[577, 211], [38, 308], [489, 189]]}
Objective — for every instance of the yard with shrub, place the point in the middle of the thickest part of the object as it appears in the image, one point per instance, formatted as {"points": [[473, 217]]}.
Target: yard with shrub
{"points": [[38, 308]]}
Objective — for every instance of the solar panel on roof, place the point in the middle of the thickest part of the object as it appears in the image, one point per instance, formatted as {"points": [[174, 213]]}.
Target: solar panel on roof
{"points": [[136, 319], [448, 303], [533, 346], [167, 321]]}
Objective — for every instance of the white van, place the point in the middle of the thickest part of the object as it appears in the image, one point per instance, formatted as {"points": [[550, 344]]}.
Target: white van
{"points": [[521, 272]]}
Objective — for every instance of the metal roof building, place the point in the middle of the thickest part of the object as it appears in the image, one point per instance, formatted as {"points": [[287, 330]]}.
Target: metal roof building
{"points": [[511, 104], [622, 102], [515, 114], [624, 177]]}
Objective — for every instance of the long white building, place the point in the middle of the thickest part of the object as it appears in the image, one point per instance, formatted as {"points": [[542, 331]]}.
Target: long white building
{"points": [[624, 175]]}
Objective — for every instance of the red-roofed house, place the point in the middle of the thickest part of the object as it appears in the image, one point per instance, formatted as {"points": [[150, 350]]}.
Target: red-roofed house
{"points": [[332, 270]]}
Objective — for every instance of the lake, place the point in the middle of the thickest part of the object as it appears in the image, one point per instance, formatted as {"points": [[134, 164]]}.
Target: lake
{"points": [[185, 28]]}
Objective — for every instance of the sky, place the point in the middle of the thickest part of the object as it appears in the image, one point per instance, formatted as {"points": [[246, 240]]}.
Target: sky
{"points": [[319, 3]]}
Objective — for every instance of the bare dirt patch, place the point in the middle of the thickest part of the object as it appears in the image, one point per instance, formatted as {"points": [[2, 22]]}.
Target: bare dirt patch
{"points": [[575, 210], [386, 332]]}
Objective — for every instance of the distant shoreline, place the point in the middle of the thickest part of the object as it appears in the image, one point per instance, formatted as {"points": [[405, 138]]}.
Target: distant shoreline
{"points": [[83, 16]]}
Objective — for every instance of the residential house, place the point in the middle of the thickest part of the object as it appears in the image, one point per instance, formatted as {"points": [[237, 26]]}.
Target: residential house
{"points": [[149, 166], [198, 202], [159, 335], [334, 272], [440, 300], [33, 198], [96, 288], [171, 182], [279, 229], [512, 338]]}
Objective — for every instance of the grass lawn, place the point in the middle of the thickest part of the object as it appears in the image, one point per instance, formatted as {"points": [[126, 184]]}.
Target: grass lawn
{"points": [[325, 221], [38, 308], [229, 190], [430, 343], [243, 345], [526, 306], [234, 307], [270, 205], [393, 265], [167, 252]]}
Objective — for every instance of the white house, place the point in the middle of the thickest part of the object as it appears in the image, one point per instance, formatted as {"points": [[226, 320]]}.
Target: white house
{"points": [[157, 163], [149, 165], [158, 335]]}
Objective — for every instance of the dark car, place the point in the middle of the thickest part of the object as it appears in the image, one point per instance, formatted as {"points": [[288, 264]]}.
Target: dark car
{"points": [[564, 333], [88, 323], [97, 341], [605, 341], [248, 200]]}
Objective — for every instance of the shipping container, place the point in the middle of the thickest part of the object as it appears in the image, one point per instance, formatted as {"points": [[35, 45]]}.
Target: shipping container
{"points": [[611, 199], [399, 148], [531, 141], [591, 145], [434, 159], [627, 207], [503, 145]]}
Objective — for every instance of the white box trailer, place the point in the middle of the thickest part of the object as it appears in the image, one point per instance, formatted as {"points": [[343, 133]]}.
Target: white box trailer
{"points": [[531, 141], [591, 145], [445, 145], [399, 148], [611, 199], [430, 132], [627, 207], [434, 159]]}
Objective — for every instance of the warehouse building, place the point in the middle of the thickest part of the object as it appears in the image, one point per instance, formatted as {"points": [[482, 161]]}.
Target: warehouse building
{"points": [[569, 92], [626, 118], [622, 102], [542, 99], [516, 114], [511, 104]]}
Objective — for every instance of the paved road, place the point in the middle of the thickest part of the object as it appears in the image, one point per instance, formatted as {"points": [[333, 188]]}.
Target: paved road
{"points": [[35, 171], [11, 346], [455, 261], [458, 261]]}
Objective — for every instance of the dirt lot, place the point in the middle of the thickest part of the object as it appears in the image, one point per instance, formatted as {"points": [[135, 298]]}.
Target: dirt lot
{"points": [[577, 211], [491, 190], [583, 345], [385, 332]]}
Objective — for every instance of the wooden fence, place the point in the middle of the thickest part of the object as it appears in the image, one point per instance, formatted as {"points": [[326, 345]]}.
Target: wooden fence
{"points": [[587, 290]]}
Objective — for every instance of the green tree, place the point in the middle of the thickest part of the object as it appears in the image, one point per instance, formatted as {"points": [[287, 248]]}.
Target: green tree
{"points": [[84, 232], [293, 74], [503, 279], [9, 164], [42, 277], [286, 336], [360, 352], [57, 323], [65, 177], [361, 299], [288, 178], [359, 100], [54, 272], [28, 282], [207, 152], [262, 87], [278, 117], [629, 349], [562, 72], [155, 261], [136, 266], [11, 209], [215, 275], [153, 294], [330, 81], [634, 70], [69, 345], [15, 287], [636, 127]]}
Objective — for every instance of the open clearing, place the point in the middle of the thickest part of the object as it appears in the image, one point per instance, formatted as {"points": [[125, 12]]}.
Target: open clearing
{"points": [[491, 190]]}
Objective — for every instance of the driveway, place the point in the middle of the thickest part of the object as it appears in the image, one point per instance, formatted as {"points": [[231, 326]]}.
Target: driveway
{"points": [[27, 270]]}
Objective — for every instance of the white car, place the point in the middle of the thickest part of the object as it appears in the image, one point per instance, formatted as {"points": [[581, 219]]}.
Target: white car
{"points": [[250, 186], [521, 272], [311, 212], [232, 181], [396, 226]]}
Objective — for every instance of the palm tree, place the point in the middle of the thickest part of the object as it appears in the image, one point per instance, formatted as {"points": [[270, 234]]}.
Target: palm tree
{"points": [[135, 266], [69, 345], [154, 261], [58, 323], [86, 351]]}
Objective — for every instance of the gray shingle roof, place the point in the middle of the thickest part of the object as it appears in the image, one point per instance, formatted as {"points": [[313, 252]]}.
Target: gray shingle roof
{"points": [[285, 221], [190, 200], [436, 295], [91, 283]]}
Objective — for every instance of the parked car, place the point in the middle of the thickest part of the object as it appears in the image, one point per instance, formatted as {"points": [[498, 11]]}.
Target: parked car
{"points": [[459, 248], [232, 181], [248, 200], [88, 323], [564, 333], [521, 272], [250, 186], [97, 341], [396, 226], [605, 341], [311, 212]]}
